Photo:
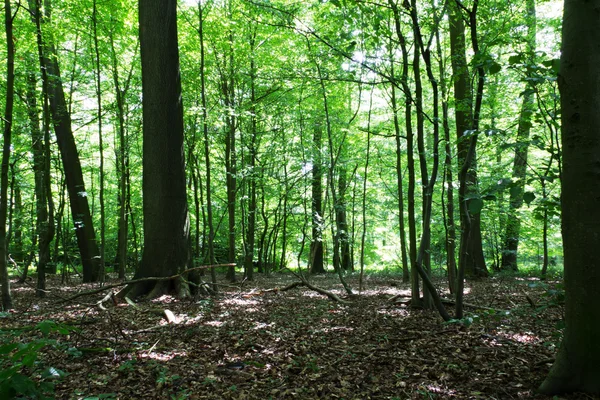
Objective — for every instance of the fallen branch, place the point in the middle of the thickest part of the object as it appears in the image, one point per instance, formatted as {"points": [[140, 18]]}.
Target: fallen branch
{"points": [[304, 282], [149, 279]]}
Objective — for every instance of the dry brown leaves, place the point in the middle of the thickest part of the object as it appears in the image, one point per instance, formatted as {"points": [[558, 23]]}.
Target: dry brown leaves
{"points": [[297, 344]]}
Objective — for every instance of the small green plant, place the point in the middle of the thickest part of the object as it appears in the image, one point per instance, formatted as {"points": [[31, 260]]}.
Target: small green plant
{"points": [[128, 365], [19, 362]]}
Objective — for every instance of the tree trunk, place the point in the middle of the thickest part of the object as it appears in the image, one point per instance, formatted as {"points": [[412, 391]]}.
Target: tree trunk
{"points": [[43, 196], [250, 232], [513, 222], [6, 149], [209, 209], [100, 137], [410, 158], [577, 365], [166, 223], [473, 248], [80, 210], [316, 245]]}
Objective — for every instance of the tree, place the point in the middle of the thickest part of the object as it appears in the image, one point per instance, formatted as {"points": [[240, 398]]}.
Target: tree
{"points": [[8, 121], [467, 124], [166, 223], [577, 365], [513, 223], [78, 197]]}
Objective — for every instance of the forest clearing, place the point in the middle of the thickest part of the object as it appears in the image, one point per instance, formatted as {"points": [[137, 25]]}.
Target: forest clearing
{"points": [[253, 342]]}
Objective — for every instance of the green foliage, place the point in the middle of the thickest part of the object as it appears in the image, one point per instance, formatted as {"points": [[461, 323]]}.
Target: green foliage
{"points": [[22, 374]]}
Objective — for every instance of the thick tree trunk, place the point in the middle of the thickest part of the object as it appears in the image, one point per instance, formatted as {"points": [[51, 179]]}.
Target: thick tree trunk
{"points": [[577, 365], [166, 223]]}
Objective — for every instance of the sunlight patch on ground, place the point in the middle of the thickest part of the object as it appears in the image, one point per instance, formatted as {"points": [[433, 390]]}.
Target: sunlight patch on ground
{"points": [[388, 291], [214, 323], [396, 312], [240, 302], [164, 356], [262, 325], [187, 320], [23, 289], [440, 390], [525, 337], [165, 299]]}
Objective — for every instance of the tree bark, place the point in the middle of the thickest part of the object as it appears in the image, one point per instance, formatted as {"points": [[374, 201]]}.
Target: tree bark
{"points": [[166, 223], [316, 245], [43, 196], [473, 248], [513, 222], [8, 115], [209, 210], [577, 365], [80, 210]]}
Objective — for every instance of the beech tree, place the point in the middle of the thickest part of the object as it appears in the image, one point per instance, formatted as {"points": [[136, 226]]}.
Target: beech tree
{"points": [[78, 196], [6, 149], [166, 223], [577, 365]]}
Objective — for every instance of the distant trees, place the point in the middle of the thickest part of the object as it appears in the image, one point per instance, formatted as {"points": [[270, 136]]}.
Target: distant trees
{"points": [[277, 128]]}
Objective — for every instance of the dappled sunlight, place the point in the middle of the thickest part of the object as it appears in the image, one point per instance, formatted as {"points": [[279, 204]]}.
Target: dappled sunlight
{"points": [[240, 302], [165, 356], [23, 289], [431, 388], [262, 325], [386, 291], [395, 312], [520, 337], [166, 299], [215, 323], [335, 329]]}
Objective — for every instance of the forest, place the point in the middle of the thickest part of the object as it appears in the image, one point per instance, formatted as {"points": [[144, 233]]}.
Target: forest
{"points": [[255, 199]]}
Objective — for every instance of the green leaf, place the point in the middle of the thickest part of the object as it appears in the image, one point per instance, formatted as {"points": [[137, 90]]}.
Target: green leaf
{"points": [[494, 68], [46, 327], [7, 348], [528, 197], [516, 59]]}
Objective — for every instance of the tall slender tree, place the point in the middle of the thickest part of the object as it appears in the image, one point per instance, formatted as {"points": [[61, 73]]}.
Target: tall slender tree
{"points": [[78, 196], [519, 174], [6, 149]]}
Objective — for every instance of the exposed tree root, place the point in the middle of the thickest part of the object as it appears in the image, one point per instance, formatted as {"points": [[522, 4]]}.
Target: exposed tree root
{"points": [[130, 283]]}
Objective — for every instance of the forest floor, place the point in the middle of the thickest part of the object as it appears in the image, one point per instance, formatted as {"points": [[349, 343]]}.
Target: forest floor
{"points": [[247, 343]]}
